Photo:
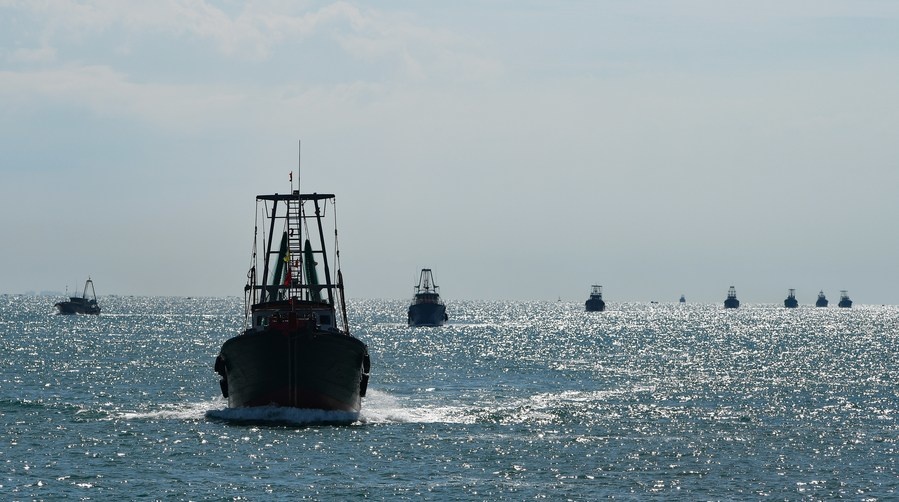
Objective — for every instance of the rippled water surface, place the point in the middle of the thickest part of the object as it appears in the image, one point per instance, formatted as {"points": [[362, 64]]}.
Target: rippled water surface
{"points": [[509, 401]]}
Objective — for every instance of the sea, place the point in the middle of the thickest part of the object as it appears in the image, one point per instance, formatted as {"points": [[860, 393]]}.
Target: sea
{"points": [[510, 400]]}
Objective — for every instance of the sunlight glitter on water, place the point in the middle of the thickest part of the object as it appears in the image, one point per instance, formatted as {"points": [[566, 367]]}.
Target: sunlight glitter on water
{"points": [[509, 400]]}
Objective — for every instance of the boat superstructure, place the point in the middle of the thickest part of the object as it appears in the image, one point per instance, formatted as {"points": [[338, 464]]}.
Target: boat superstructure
{"points": [[845, 302], [80, 304], [791, 302], [731, 301], [296, 349], [427, 308], [595, 302]]}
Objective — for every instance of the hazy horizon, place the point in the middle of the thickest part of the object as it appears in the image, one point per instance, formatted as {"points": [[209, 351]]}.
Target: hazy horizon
{"points": [[521, 150]]}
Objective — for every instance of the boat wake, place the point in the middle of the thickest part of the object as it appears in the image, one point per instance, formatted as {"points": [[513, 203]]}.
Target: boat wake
{"points": [[217, 410], [183, 411], [380, 407]]}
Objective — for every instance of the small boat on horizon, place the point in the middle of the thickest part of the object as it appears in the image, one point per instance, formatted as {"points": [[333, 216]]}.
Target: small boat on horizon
{"points": [[293, 352], [595, 303], [845, 302], [791, 302], [683, 299], [731, 301], [82, 304], [427, 309], [822, 300]]}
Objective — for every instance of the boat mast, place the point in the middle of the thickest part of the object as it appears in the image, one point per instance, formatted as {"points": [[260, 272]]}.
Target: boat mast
{"points": [[301, 266], [321, 239], [299, 216], [267, 294]]}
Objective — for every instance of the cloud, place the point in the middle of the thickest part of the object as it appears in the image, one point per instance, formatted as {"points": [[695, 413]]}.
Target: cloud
{"points": [[102, 66], [40, 55], [249, 34], [256, 31], [102, 91]]}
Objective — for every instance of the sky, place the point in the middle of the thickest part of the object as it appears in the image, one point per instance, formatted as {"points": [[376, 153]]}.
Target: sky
{"points": [[522, 150]]}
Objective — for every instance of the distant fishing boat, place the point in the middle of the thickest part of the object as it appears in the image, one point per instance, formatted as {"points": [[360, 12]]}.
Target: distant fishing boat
{"points": [[682, 299], [595, 302], [293, 352], [845, 302], [731, 301], [427, 309], [791, 302], [82, 304], [822, 300]]}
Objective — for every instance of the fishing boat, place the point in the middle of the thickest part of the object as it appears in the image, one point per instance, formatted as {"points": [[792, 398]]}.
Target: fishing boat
{"points": [[595, 302], [791, 302], [683, 299], [845, 302], [296, 349], [427, 309], [80, 304], [731, 301], [822, 300]]}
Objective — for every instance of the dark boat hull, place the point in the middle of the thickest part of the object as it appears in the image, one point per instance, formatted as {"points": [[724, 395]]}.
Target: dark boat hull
{"points": [[427, 314], [595, 305], [791, 303], [299, 368], [731, 303], [71, 308]]}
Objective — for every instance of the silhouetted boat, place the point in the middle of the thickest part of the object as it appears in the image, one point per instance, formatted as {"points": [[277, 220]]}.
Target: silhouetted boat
{"points": [[82, 304], [731, 301], [293, 351], [845, 302], [427, 309], [595, 303], [682, 299], [791, 302], [822, 300]]}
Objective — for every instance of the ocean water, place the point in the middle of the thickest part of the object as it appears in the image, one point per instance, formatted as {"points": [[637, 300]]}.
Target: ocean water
{"points": [[509, 401]]}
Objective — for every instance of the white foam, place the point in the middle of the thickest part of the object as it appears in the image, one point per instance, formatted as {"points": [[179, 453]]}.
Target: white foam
{"points": [[380, 407], [184, 411]]}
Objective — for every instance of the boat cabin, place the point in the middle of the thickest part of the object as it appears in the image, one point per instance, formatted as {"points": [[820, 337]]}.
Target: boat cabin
{"points": [[265, 314]]}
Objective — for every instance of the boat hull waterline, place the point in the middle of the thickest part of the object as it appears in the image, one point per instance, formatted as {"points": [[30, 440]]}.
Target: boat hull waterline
{"points": [[77, 305], [298, 368], [595, 305], [427, 314]]}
